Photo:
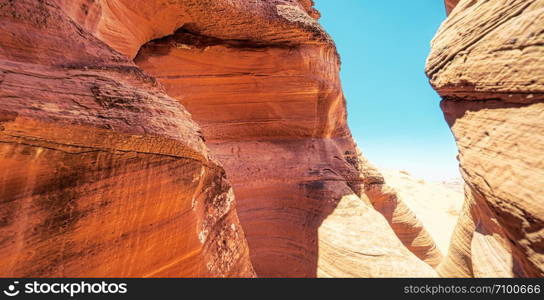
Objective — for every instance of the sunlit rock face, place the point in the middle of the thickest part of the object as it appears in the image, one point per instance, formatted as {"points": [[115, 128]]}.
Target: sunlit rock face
{"points": [[102, 174], [487, 63], [267, 95]]}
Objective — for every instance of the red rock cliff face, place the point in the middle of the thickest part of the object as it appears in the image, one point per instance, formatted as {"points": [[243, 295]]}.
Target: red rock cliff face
{"points": [[261, 78], [487, 63], [102, 173]]}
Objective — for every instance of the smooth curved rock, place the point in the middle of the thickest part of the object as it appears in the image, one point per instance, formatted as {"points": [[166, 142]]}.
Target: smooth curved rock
{"points": [[436, 203], [273, 113], [487, 63], [406, 225], [102, 173]]}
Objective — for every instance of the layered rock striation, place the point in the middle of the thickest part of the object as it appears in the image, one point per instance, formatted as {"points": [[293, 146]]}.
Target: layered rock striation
{"points": [[102, 173], [487, 63]]}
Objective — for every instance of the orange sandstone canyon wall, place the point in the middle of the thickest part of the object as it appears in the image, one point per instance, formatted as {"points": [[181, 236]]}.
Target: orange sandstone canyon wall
{"points": [[487, 63], [267, 95], [104, 173]]}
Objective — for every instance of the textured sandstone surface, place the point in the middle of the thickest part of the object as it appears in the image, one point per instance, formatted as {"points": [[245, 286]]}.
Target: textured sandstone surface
{"points": [[102, 173], [272, 111], [487, 63]]}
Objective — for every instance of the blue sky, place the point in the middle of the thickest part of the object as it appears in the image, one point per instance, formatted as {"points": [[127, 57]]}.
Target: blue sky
{"points": [[393, 112]]}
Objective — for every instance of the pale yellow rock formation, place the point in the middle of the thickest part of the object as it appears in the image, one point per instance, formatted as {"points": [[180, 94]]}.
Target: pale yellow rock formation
{"points": [[487, 63]]}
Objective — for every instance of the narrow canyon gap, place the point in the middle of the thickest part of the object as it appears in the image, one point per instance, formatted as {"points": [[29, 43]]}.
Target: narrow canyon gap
{"points": [[198, 138]]}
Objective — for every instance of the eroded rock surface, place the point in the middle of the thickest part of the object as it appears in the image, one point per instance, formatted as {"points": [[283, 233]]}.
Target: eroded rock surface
{"points": [[102, 174], [487, 63], [127, 24]]}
